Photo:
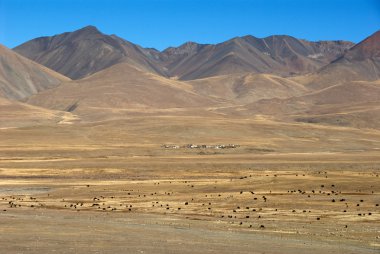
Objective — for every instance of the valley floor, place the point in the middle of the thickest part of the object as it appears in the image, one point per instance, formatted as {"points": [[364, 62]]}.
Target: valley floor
{"points": [[103, 188]]}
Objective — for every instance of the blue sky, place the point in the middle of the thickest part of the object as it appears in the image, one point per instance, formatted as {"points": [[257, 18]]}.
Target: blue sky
{"points": [[163, 23]]}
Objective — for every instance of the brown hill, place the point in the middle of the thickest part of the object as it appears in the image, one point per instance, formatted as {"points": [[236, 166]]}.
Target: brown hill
{"points": [[20, 77], [361, 62], [120, 89], [345, 92], [14, 114], [368, 48], [83, 52], [247, 88], [355, 103]]}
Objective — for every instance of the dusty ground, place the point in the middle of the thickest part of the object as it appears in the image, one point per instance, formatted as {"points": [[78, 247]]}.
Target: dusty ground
{"points": [[111, 188]]}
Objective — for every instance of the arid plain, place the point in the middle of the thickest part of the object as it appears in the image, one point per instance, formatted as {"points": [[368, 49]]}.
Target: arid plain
{"points": [[70, 185]]}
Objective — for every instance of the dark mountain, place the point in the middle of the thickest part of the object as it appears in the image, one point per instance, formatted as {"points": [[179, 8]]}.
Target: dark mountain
{"points": [[172, 58], [361, 62], [281, 55], [83, 52], [368, 48], [21, 77]]}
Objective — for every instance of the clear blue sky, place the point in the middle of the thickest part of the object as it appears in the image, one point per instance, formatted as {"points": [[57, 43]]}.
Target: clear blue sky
{"points": [[163, 23]]}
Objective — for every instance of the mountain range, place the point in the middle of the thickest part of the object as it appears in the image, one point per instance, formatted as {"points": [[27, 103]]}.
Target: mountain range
{"points": [[90, 76], [83, 52]]}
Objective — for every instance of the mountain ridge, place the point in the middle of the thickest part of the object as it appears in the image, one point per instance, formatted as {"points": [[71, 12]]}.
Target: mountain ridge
{"points": [[85, 51]]}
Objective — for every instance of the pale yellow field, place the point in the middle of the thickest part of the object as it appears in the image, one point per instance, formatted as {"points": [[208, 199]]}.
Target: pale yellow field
{"points": [[110, 187]]}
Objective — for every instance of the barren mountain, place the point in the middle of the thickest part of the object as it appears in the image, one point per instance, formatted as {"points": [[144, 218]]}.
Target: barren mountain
{"points": [[345, 92], [361, 62], [83, 52], [120, 88], [282, 55], [175, 56], [20, 77], [239, 76]]}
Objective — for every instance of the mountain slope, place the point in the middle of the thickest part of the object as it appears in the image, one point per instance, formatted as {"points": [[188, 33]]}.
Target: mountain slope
{"points": [[86, 51], [247, 88], [281, 55], [120, 89], [20, 77], [83, 52], [345, 92], [14, 114], [355, 103], [361, 62]]}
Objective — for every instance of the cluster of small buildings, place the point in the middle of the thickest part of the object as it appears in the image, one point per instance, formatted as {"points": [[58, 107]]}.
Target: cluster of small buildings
{"points": [[195, 146]]}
